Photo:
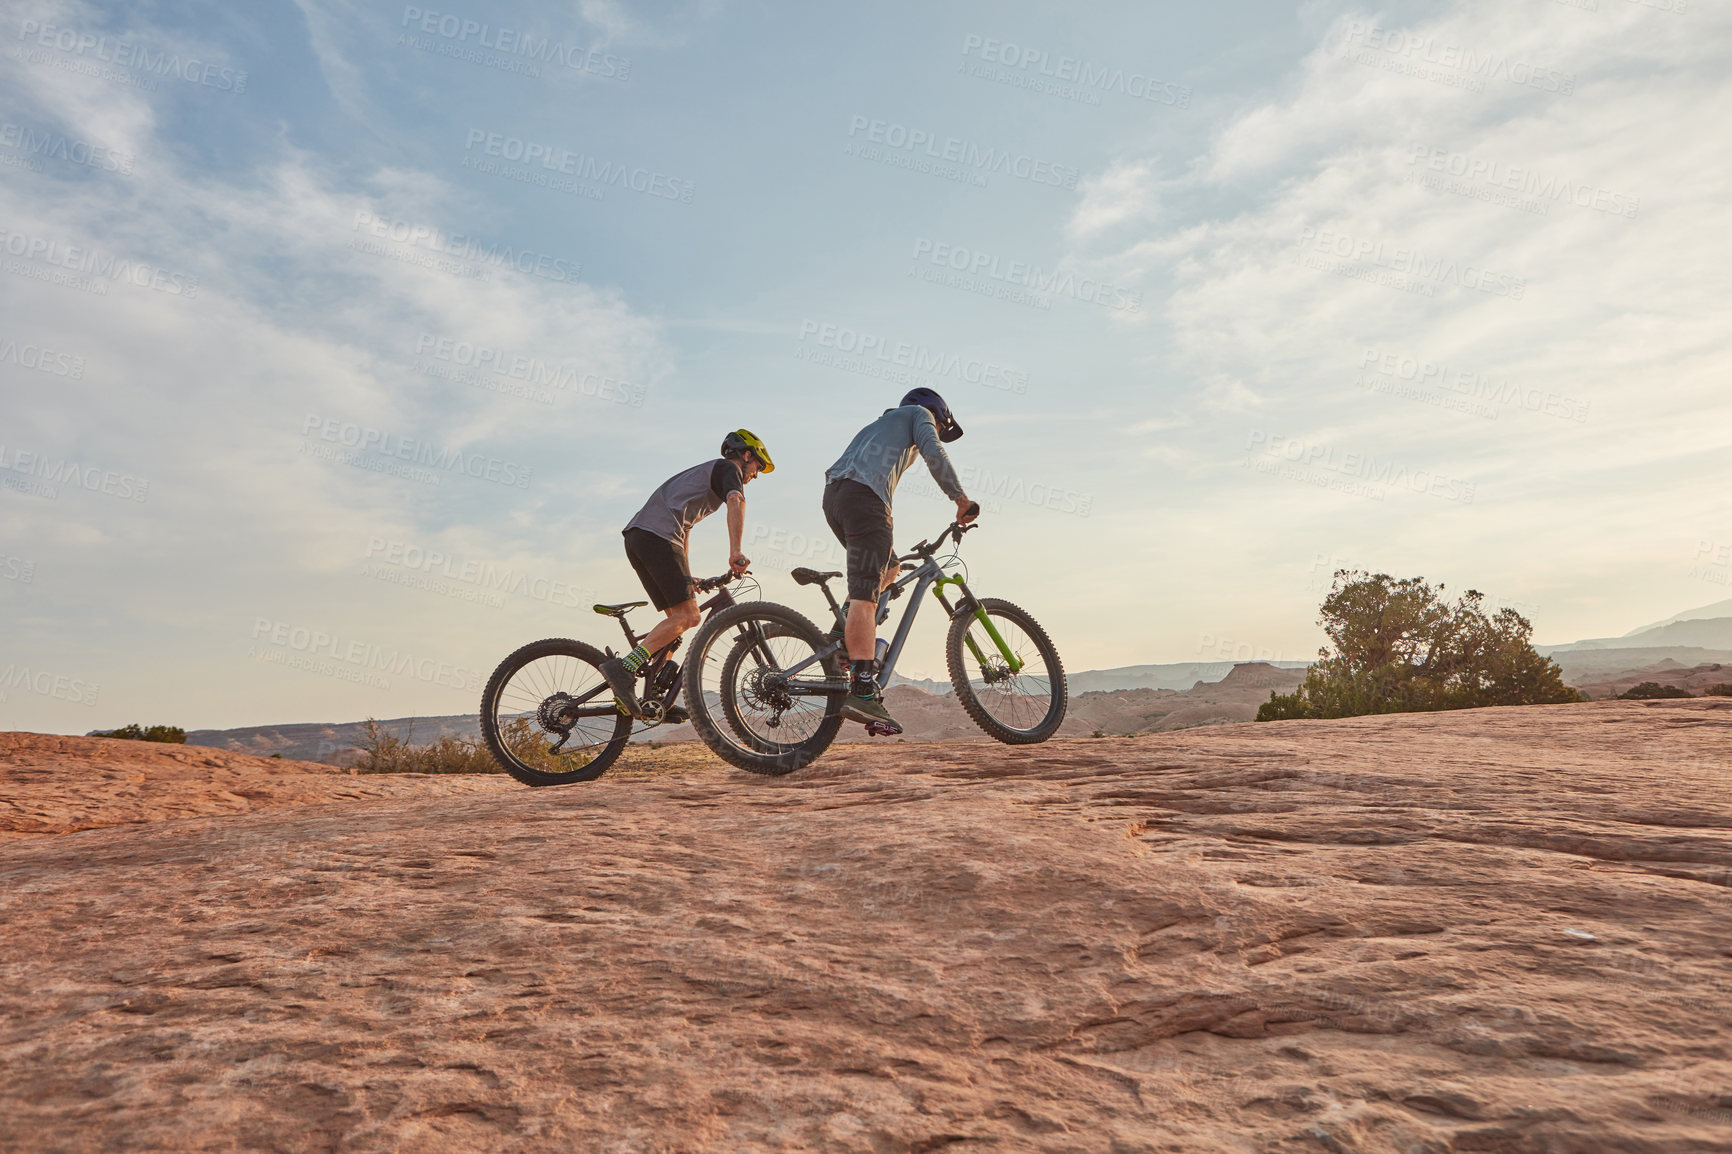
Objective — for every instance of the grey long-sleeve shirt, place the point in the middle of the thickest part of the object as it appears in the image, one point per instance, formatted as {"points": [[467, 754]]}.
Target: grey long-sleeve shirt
{"points": [[881, 452]]}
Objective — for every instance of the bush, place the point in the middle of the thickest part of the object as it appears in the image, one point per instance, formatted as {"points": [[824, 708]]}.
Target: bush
{"points": [[1652, 689], [384, 752], [1400, 648], [1724, 689], [172, 734]]}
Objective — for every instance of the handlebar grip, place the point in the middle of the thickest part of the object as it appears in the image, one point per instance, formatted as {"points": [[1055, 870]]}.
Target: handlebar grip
{"points": [[973, 509]]}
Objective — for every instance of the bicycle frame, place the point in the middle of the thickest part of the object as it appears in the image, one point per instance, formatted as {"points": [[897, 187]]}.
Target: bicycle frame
{"points": [[722, 600], [929, 574]]}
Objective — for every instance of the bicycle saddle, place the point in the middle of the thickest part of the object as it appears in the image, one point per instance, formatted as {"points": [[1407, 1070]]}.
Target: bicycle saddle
{"points": [[619, 610], [805, 576]]}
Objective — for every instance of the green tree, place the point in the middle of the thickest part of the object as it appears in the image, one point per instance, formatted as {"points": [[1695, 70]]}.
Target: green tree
{"points": [[1398, 647], [172, 734], [1651, 689]]}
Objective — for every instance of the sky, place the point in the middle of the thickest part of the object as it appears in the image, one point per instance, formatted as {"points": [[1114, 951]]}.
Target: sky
{"points": [[338, 342]]}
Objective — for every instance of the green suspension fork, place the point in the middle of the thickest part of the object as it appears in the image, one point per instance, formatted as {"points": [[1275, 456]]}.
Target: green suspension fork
{"points": [[1012, 660]]}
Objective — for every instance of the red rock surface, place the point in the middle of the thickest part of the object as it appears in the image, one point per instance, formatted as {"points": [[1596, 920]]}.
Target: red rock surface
{"points": [[54, 784], [1494, 930]]}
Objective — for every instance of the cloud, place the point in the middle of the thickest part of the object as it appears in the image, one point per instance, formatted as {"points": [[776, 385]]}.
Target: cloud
{"points": [[1487, 247], [251, 301], [1562, 241]]}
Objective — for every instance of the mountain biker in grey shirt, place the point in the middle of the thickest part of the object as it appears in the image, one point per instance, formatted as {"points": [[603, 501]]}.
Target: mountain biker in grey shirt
{"points": [[857, 497], [658, 540]]}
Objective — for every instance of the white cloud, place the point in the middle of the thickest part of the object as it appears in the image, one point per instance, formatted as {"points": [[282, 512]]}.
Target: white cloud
{"points": [[1609, 295], [206, 394]]}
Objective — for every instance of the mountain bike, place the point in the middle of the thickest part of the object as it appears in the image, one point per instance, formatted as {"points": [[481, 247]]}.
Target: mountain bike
{"points": [[547, 713], [765, 686]]}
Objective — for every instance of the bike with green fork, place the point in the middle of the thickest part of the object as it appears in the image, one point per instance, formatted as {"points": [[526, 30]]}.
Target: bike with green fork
{"points": [[765, 685]]}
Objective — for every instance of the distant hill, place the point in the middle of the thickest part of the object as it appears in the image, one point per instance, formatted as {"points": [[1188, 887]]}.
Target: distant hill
{"points": [[1182, 675], [1695, 679], [1698, 633], [1717, 609], [332, 742], [927, 716]]}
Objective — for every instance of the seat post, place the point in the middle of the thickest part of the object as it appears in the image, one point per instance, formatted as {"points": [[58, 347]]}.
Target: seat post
{"points": [[629, 635], [831, 598]]}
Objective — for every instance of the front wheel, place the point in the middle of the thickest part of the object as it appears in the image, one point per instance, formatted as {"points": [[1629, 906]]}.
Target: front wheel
{"points": [[549, 717], [1015, 691]]}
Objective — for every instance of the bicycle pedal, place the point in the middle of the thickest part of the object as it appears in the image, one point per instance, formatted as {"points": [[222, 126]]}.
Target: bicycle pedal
{"points": [[879, 729]]}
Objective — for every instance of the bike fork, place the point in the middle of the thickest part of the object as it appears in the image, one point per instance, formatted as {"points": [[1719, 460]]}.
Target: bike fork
{"points": [[969, 601]]}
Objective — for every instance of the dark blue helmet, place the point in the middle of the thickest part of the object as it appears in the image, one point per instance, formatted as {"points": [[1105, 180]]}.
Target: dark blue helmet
{"points": [[928, 399]]}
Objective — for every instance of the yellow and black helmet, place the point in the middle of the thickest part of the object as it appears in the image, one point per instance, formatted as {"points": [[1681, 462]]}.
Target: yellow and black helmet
{"points": [[740, 440]]}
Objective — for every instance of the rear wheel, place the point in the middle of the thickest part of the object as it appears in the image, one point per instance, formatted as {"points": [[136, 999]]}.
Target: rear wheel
{"points": [[1020, 701], [739, 700], [548, 716]]}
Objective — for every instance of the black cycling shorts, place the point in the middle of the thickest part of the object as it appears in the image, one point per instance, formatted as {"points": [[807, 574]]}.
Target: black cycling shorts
{"points": [[861, 521], [661, 566]]}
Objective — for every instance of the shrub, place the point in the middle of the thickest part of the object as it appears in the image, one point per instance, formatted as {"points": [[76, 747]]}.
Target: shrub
{"points": [[1724, 689], [1400, 648], [1652, 689], [172, 734], [384, 752]]}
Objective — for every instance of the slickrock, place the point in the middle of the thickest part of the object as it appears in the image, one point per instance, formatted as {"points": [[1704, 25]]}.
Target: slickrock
{"points": [[1493, 930], [54, 784]]}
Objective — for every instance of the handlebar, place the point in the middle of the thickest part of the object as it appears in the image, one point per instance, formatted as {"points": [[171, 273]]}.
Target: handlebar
{"points": [[956, 529], [709, 584]]}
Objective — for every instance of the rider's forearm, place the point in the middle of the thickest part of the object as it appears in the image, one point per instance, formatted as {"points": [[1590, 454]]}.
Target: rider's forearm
{"points": [[937, 461], [736, 526]]}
